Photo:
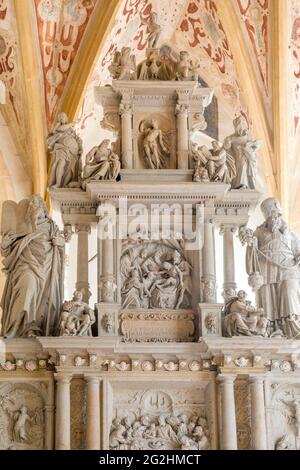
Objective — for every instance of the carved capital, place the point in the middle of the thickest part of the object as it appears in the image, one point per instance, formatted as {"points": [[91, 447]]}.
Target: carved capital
{"points": [[125, 109], [226, 379], [182, 109], [62, 378], [68, 232], [228, 228], [82, 228]]}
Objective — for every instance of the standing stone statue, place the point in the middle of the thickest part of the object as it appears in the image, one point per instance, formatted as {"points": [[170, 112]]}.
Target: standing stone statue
{"points": [[243, 148], [154, 144], [32, 247], [153, 28], [272, 263], [66, 149]]}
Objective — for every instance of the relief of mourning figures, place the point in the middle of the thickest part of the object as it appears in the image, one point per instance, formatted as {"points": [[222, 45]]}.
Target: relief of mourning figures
{"points": [[272, 263], [155, 275], [33, 251], [162, 432]]}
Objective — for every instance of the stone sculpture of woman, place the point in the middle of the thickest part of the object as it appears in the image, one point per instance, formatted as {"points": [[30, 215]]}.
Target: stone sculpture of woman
{"points": [[101, 163], [66, 149], [154, 147], [32, 247]]}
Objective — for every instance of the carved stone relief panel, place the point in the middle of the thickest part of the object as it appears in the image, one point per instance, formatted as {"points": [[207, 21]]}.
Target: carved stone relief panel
{"points": [[22, 416], [154, 140], [284, 416], [155, 274], [243, 417], [159, 418], [78, 413]]}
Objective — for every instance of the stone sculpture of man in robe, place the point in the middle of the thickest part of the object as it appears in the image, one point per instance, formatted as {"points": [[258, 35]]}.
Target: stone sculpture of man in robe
{"points": [[243, 148], [32, 248], [272, 258], [66, 149]]}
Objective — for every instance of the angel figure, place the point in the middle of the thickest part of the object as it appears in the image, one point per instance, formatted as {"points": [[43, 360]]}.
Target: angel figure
{"points": [[123, 66], [101, 163], [154, 146], [153, 28]]}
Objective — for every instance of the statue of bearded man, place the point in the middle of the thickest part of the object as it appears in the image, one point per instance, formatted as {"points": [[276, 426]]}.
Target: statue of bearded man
{"points": [[273, 258], [32, 248]]}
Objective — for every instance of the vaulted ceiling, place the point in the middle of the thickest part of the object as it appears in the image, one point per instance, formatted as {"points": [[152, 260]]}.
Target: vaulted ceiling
{"points": [[53, 53]]}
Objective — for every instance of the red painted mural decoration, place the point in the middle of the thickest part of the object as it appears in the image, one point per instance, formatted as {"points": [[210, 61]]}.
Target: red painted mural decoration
{"points": [[205, 27], [61, 26], [294, 46], [255, 15], [8, 54]]}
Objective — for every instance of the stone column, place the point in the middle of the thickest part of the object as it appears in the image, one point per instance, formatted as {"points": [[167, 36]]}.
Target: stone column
{"points": [[229, 284], [82, 283], [106, 256], [228, 419], [49, 428], [62, 415], [93, 413], [182, 137], [258, 413], [126, 118], [209, 264]]}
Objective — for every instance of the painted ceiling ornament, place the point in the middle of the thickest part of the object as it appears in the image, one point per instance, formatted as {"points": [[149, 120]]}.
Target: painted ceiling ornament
{"points": [[61, 26], [255, 16]]}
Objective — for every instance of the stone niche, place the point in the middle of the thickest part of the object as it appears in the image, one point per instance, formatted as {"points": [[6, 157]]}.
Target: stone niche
{"points": [[157, 414], [283, 413], [26, 414]]}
